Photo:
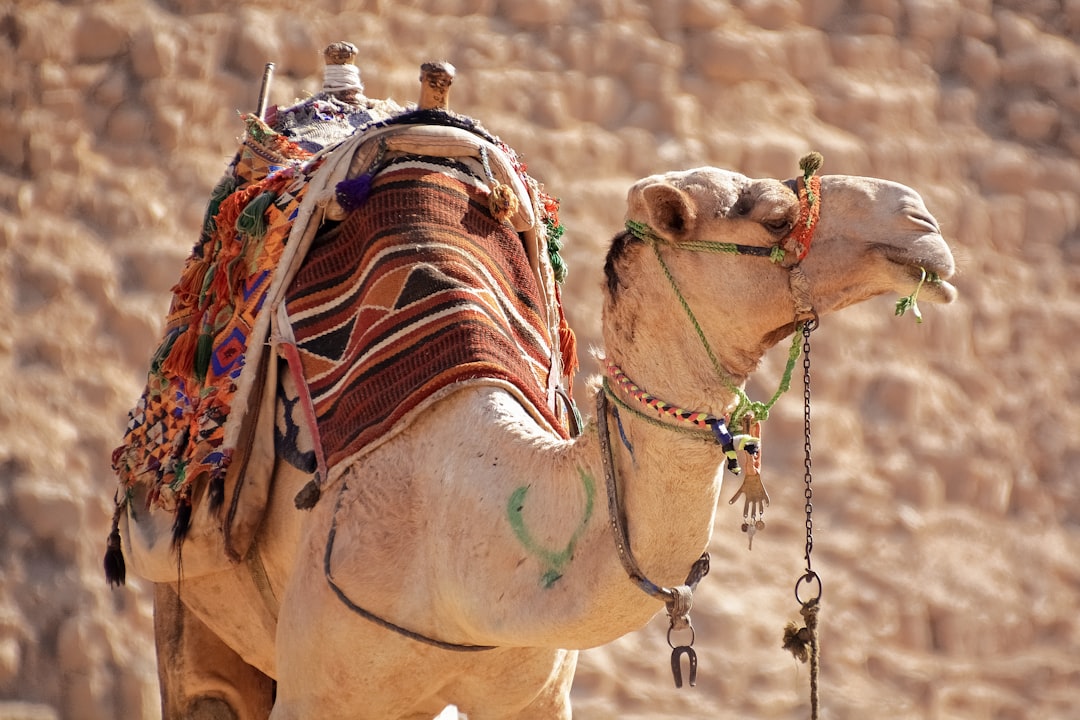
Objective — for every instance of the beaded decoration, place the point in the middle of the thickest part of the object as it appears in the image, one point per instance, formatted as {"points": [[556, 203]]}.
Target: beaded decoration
{"points": [[706, 421]]}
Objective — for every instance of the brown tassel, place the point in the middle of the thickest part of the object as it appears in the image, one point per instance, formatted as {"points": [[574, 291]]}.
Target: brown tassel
{"points": [[216, 493], [182, 523], [308, 496], [799, 641], [502, 201], [115, 568]]}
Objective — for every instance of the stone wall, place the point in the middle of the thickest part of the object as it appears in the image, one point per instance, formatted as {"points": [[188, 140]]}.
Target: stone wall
{"points": [[947, 508]]}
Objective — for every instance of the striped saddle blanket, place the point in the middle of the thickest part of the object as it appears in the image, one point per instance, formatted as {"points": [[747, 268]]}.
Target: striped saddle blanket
{"points": [[414, 295]]}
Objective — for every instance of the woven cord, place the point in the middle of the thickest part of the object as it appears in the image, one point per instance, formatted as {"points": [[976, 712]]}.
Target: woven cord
{"points": [[760, 410]]}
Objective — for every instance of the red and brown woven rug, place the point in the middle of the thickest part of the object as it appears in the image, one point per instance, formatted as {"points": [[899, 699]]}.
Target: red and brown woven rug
{"points": [[419, 291]]}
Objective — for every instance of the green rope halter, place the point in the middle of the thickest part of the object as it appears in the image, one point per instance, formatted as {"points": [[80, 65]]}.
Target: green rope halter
{"points": [[645, 233], [745, 406]]}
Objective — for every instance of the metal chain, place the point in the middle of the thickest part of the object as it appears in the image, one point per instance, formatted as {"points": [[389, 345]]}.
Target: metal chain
{"points": [[809, 634], [807, 477]]}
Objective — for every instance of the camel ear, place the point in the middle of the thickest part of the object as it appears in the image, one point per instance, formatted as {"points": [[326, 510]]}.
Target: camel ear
{"points": [[672, 212]]}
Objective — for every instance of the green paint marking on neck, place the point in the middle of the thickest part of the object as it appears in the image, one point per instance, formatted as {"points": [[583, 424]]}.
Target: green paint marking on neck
{"points": [[555, 560]]}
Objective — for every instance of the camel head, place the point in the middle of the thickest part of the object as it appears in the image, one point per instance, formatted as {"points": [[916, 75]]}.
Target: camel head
{"points": [[872, 237]]}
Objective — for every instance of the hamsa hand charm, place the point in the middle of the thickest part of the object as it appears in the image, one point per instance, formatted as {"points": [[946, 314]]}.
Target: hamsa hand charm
{"points": [[756, 498]]}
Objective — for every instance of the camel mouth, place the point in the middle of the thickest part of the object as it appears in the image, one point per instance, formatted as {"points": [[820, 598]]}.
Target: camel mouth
{"points": [[928, 263], [934, 288]]}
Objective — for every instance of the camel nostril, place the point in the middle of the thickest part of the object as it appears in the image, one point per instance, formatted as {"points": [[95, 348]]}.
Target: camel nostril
{"points": [[925, 221]]}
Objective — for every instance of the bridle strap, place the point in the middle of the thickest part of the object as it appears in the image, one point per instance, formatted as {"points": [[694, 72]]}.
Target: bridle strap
{"points": [[678, 599]]}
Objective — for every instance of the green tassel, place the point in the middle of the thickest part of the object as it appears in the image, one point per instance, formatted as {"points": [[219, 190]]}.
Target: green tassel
{"points": [[252, 220], [208, 279], [225, 187], [203, 351], [554, 245], [162, 352]]}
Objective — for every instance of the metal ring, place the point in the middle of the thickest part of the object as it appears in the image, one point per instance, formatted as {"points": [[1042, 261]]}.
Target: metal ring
{"points": [[693, 636], [809, 577]]}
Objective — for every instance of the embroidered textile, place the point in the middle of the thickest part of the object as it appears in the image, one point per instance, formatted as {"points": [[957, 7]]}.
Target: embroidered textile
{"points": [[420, 290], [176, 434]]}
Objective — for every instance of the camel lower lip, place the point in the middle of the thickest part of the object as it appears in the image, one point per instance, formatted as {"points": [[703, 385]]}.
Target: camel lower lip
{"points": [[940, 291], [934, 287]]}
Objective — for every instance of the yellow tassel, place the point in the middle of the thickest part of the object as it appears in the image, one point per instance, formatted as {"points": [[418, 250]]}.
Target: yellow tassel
{"points": [[502, 201]]}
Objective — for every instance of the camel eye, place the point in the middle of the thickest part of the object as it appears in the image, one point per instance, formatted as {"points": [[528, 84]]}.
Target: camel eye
{"points": [[777, 225]]}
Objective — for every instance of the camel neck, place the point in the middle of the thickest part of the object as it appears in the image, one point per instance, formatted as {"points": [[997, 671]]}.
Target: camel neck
{"points": [[669, 481]]}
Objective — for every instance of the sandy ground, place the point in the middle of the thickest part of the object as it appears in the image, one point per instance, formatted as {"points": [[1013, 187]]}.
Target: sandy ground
{"points": [[947, 505]]}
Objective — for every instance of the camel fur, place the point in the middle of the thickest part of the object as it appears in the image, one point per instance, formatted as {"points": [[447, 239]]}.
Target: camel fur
{"points": [[456, 528]]}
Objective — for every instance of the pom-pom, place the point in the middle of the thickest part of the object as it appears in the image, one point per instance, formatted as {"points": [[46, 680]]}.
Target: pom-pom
{"points": [[308, 496], [811, 163], [351, 194], [502, 201]]}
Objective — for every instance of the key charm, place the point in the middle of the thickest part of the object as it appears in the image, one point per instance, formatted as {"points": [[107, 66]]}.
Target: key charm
{"points": [[751, 529]]}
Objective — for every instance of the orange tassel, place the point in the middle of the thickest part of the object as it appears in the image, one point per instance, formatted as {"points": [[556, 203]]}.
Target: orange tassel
{"points": [[567, 344], [189, 287], [181, 359], [568, 349]]}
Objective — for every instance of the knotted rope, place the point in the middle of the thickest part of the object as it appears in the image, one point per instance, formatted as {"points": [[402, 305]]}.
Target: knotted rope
{"points": [[802, 642]]}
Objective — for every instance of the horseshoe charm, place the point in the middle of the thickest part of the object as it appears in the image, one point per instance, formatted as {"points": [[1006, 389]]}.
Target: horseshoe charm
{"points": [[676, 665]]}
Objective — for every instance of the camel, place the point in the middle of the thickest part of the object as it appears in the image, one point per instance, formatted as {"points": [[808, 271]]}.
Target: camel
{"points": [[468, 560]]}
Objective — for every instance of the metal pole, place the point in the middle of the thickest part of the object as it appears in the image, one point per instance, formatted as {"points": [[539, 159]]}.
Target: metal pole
{"points": [[264, 91]]}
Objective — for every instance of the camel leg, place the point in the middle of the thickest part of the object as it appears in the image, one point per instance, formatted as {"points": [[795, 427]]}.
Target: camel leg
{"points": [[201, 678]]}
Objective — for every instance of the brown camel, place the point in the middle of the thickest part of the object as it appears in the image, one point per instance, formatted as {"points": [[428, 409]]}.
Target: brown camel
{"points": [[467, 560]]}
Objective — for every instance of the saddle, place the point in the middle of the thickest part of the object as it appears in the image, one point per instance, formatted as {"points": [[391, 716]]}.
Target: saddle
{"points": [[198, 454]]}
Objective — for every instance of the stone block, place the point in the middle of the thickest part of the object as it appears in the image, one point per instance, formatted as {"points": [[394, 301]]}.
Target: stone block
{"points": [[932, 20], [978, 24], [809, 57], [1049, 217], [536, 13], [731, 57], [704, 14], [99, 34], [959, 105], [774, 155], [1008, 223], [1008, 169], [252, 45], [979, 63], [771, 14], [301, 54], [153, 53], [861, 51], [128, 124], [51, 510]]}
